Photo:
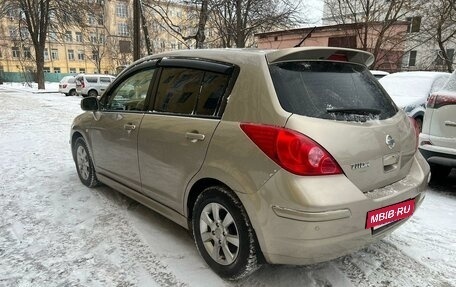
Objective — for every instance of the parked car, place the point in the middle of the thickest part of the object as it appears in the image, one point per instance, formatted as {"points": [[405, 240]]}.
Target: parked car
{"points": [[291, 156], [67, 86], [410, 90], [379, 74], [92, 85], [438, 138]]}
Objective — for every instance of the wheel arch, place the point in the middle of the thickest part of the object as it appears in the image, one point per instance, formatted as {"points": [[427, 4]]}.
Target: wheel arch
{"points": [[199, 186]]}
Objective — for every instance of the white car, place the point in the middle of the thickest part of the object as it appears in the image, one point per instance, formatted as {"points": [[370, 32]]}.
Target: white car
{"points": [[410, 90], [67, 86], [93, 85], [438, 137]]}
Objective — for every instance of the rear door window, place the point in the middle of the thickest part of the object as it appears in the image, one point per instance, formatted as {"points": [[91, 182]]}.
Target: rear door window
{"points": [[105, 80], [330, 90], [92, 79], [189, 91]]}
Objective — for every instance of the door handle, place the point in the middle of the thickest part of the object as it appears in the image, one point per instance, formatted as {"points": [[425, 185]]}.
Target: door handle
{"points": [[195, 136], [450, 123], [129, 127]]}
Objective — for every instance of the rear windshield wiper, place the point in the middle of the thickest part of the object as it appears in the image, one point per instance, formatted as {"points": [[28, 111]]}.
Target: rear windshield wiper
{"points": [[354, 111]]}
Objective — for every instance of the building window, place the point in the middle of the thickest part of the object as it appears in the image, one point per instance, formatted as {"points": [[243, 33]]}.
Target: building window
{"points": [[46, 54], [46, 69], [16, 52], [25, 33], [79, 37], [13, 33], [68, 36], [72, 70], [82, 70], [100, 20], [1, 53], [345, 42], [409, 59], [71, 55], [121, 10], [81, 55], [122, 29], [91, 19], [173, 46], [27, 53], [57, 70], [95, 55], [54, 54], [93, 38], [52, 36], [414, 24]]}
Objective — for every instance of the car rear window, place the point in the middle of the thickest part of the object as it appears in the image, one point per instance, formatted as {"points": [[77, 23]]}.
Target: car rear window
{"points": [[330, 90]]}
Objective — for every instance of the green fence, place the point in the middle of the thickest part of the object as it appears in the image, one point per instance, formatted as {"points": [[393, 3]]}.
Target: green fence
{"points": [[19, 77]]}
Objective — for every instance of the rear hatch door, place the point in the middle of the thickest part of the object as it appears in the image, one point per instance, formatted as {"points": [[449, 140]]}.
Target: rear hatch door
{"points": [[341, 106]]}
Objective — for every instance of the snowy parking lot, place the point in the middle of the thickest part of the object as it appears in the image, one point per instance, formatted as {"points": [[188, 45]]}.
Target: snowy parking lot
{"points": [[54, 231]]}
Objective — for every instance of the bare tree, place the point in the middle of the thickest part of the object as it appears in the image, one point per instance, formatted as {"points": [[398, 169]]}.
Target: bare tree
{"points": [[237, 21], [39, 17], [440, 28], [187, 27], [377, 23]]}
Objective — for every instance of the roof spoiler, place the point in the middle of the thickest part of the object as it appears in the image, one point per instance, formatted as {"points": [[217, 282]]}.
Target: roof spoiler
{"points": [[320, 53]]}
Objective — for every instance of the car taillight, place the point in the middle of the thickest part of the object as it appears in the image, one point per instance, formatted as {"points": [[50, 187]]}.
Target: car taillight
{"points": [[82, 85], [64, 86], [417, 130], [291, 150], [436, 101]]}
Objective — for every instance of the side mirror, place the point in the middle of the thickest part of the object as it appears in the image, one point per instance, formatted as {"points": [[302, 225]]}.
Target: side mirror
{"points": [[89, 104]]}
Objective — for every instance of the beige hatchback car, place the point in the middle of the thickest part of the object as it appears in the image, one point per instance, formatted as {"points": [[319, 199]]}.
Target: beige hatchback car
{"points": [[291, 156]]}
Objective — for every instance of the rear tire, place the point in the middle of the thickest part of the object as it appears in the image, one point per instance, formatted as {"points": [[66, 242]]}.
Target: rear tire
{"points": [[419, 123], [223, 234], [84, 163], [73, 93]]}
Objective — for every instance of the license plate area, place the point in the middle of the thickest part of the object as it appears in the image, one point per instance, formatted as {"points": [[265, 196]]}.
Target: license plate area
{"points": [[378, 218]]}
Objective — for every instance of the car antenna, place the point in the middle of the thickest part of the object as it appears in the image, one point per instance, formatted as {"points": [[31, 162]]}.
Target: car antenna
{"points": [[307, 36]]}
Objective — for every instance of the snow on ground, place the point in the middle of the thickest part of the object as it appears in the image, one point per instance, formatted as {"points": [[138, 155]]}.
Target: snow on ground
{"points": [[56, 232]]}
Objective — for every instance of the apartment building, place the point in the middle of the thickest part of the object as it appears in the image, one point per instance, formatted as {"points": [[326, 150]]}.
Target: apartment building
{"points": [[102, 44], [421, 51]]}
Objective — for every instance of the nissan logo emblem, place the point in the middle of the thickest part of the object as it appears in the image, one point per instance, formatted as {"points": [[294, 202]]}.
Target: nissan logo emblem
{"points": [[390, 142]]}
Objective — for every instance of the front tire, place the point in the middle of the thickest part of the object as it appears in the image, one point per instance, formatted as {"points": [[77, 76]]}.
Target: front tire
{"points": [[93, 93], [84, 163], [223, 234]]}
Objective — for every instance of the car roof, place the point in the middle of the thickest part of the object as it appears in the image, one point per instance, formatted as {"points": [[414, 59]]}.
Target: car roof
{"points": [[417, 74], [238, 56]]}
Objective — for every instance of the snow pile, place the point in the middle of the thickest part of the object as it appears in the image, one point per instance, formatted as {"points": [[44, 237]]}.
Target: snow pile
{"points": [[32, 87]]}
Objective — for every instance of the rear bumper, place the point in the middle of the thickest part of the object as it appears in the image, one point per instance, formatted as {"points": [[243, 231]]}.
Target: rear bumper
{"points": [[316, 219], [435, 154]]}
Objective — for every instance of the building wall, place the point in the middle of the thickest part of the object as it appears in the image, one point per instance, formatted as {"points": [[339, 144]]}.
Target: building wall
{"points": [[338, 35], [419, 53]]}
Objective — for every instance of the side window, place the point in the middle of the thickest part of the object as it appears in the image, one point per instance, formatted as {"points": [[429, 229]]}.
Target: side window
{"points": [[212, 90], [131, 93], [178, 90], [105, 80], [92, 79]]}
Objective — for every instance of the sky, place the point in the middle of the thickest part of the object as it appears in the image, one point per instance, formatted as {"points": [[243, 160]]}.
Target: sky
{"points": [[315, 10]]}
